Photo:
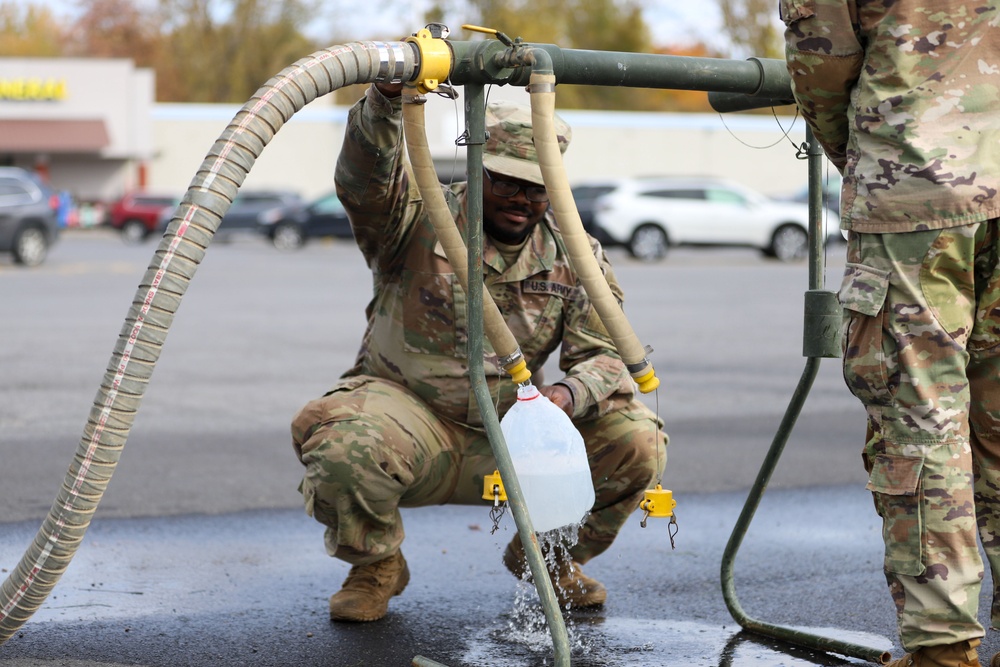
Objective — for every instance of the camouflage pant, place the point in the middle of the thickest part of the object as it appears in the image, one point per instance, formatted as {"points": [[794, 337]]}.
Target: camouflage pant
{"points": [[922, 352], [371, 447]]}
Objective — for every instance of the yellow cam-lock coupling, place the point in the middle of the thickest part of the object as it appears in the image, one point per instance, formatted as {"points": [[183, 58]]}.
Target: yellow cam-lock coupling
{"points": [[493, 488], [648, 382], [658, 503], [518, 371], [435, 60]]}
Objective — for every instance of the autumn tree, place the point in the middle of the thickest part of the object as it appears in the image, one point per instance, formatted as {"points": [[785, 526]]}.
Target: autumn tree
{"points": [[753, 28], [599, 25], [224, 52], [115, 29], [29, 31]]}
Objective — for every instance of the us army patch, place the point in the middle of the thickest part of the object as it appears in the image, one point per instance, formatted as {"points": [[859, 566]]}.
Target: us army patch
{"points": [[548, 287]]}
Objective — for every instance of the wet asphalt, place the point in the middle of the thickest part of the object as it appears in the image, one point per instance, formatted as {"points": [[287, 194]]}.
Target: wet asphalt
{"points": [[251, 589], [201, 555]]}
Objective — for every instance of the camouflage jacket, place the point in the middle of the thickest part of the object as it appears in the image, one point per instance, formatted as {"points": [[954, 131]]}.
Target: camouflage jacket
{"points": [[904, 97], [417, 334]]}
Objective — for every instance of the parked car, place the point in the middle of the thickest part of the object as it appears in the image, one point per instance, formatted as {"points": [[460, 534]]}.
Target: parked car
{"points": [[647, 216], [138, 214], [290, 227], [830, 199], [831, 194], [245, 213], [29, 222], [586, 195]]}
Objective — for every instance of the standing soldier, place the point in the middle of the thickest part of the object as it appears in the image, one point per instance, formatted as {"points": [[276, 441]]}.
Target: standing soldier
{"points": [[401, 428], [904, 96]]}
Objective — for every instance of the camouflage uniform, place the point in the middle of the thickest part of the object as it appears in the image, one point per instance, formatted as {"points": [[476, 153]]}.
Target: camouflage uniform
{"points": [[401, 428], [903, 96]]}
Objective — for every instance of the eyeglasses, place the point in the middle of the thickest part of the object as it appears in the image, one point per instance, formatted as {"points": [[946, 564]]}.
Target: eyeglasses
{"points": [[507, 189]]}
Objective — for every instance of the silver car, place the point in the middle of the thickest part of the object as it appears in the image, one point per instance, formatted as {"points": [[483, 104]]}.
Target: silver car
{"points": [[29, 222], [648, 215]]}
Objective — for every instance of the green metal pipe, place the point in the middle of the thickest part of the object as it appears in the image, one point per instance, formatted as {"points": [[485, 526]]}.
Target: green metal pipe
{"points": [[475, 127], [791, 635], [734, 85], [822, 320], [490, 61], [817, 236], [421, 661], [821, 330]]}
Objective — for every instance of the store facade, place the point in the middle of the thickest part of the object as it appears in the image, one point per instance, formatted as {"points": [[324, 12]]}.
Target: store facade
{"points": [[93, 127], [83, 123]]}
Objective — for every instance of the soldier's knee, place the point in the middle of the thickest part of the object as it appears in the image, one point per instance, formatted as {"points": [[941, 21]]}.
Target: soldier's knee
{"points": [[344, 445], [328, 418], [632, 450], [650, 457]]}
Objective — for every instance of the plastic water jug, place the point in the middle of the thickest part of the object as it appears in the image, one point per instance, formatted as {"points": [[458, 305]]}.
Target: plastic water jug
{"points": [[550, 460]]}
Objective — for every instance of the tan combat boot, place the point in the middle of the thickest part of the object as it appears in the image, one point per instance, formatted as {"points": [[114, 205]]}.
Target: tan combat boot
{"points": [[962, 654], [573, 588], [367, 589]]}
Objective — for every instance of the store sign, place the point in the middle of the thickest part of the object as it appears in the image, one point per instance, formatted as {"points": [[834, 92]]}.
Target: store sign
{"points": [[32, 90]]}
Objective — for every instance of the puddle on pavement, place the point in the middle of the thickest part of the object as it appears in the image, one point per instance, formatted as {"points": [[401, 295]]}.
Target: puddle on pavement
{"points": [[521, 638]]}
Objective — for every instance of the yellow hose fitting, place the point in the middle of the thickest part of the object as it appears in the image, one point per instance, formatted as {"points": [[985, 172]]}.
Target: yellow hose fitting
{"points": [[647, 382], [658, 503], [518, 371], [493, 488], [435, 60]]}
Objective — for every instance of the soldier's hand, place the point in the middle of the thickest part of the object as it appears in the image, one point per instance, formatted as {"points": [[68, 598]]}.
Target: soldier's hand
{"points": [[560, 395], [389, 90]]}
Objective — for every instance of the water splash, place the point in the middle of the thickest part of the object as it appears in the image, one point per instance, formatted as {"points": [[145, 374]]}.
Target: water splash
{"points": [[525, 625]]}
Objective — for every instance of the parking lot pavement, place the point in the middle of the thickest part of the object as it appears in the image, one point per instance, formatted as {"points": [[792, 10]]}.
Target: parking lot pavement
{"points": [[200, 554], [250, 589]]}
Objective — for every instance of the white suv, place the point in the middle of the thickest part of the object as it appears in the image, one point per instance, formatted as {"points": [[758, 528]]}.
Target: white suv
{"points": [[648, 215]]}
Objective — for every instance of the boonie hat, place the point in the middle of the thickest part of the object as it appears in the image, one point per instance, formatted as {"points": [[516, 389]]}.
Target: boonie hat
{"points": [[509, 148]]}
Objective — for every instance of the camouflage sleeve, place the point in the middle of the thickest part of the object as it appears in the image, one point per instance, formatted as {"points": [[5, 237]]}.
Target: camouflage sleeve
{"points": [[824, 60], [372, 178], [595, 374]]}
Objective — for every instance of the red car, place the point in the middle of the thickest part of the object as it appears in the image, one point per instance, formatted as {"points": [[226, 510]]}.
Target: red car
{"points": [[137, 214]]}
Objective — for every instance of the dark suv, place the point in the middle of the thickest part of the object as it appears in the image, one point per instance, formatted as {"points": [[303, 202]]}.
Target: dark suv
{"points": [[244, 215], [137, 214], [29, 222], [289, 227]]}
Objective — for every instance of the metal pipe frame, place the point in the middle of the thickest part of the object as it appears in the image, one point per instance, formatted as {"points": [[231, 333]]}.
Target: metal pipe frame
{"points": [[732, 86], [475, 112], [816, 271]]}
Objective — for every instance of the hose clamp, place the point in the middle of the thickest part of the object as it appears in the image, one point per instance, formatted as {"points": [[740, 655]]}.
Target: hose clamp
{"points": [[642, 365], [638, 367], [433, 56], [391, 62], [540, 87], [510, 359]]}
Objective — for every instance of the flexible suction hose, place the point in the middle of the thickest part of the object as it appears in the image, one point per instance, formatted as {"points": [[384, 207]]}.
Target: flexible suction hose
{"points": [[495, 327], [159, 294], [542, 88]]}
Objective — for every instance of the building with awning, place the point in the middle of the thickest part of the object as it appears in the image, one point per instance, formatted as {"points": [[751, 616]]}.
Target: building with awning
{"points": [[93, 127], [83, 123]]}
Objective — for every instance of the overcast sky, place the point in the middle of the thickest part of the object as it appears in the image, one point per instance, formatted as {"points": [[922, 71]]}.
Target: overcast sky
{"points": [[672, 21]]}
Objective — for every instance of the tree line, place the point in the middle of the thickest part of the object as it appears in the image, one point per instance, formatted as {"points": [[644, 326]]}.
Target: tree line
{"points": [[222, 51]]}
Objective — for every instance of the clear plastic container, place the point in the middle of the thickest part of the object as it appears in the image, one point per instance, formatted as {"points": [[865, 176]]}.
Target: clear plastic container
{"points": [[550, 460]]}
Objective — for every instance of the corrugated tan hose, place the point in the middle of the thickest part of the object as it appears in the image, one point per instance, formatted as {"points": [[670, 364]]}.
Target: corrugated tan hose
{"points": [[499, 335], [159, 295], [542, 89]]}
